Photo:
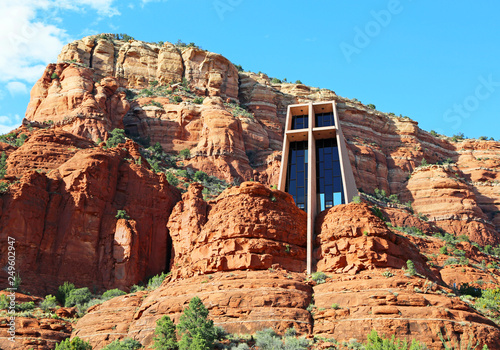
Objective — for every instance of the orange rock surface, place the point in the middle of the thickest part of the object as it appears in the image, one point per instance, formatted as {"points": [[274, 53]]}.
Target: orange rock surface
{"points": [[63, 217], [248, 227]]}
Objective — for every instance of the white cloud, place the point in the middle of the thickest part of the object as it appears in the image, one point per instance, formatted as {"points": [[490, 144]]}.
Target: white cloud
{"points": [[28, 44], [17, 88], [9, 123]]}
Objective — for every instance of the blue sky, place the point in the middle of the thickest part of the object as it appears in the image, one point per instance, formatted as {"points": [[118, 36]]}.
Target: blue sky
{"points": [[436, 62]]}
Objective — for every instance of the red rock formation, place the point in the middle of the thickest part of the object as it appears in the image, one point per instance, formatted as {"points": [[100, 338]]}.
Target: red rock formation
{"points": [[441, 193], [45, 150], [248, 227], [374, 293], [411, 308], [64, 221], [351, 239], [67, 96], [34, 333], [240, 302]]}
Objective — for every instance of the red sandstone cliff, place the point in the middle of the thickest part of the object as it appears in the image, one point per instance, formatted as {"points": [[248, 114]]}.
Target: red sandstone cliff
{"points": [[66, 190]]}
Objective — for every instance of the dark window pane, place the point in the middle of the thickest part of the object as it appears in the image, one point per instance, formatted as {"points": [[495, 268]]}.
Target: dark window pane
{"points": [[300, 178], [337, 184], [335, 153], [328, 158], [329, 191], [322, 185], [328, 181], [328, 173], [336, 168], [300, 164]]}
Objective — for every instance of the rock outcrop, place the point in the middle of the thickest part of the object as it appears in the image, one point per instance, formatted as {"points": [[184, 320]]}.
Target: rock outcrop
{"points": [[63, 218], [442, 194], [100, 218], [369, 288], [248, 227]]}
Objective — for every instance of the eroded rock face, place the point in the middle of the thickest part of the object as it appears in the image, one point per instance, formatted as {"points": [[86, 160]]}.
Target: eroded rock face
{"points": [[33, 333], [68, 96], [45, 150], [248, 227], [384, 149], [352, 239], [447, 199], [241, 302], [374, 293], [406, 307], [65, 224]]}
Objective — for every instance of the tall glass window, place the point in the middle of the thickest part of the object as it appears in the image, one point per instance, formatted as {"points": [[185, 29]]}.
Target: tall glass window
{"points": [[328, 174], [296, 181], [300, 122], [324, 119]]}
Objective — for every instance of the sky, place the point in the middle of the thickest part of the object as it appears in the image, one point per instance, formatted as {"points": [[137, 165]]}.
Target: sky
{"points": [[435, 62]]}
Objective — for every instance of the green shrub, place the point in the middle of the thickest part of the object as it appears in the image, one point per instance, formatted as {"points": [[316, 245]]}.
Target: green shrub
{"points": [[172, 179], [241, 346], [73, 344], [376, 210], [154, 104], [411, 230], [371, 106], [9, 138], [49, 302], [153, 83], [292, 343], [200, 176], [124, 344], [458, 137], [490, 300], [387, 274], [177, 99], [267, 339], [443, 250], [356, 199], [433, 133], [30, 305], [195, 330], [110, 294], [275, 81], [298, 82], [4, 187], [4, 302], [63, 292], [183, 173], [165, 338], [116, 137], [78, 297], [185, 153], [466, 289], [20, 140], [410, 268], [122, 214], [375, 342], [198, 100], [54, 76], [424, 162], [319, 277], [239, 67], [156, 281], [3, 165]]}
